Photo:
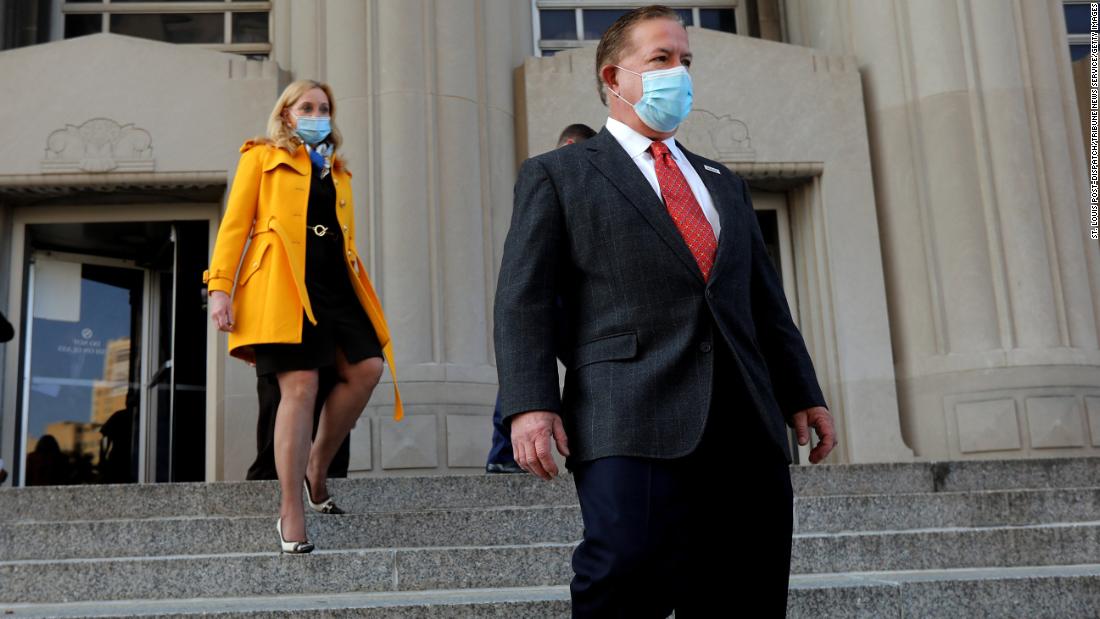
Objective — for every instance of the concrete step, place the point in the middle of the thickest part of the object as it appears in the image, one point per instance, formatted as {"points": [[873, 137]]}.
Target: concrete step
{"points": [[378, 494], [268, 573], [83, 539], [258, 498], [961, 476], [519, 525], [339, 569], [946, 548], [831, 514], [503, 602], [1063, 592], [1035, 592]]}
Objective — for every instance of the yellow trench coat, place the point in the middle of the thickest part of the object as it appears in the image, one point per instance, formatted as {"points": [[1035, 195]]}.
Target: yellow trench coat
{"points": [[268, 204]]}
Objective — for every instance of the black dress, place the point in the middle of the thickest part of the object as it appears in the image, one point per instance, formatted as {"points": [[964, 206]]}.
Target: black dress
{"points": [[341, 321]]}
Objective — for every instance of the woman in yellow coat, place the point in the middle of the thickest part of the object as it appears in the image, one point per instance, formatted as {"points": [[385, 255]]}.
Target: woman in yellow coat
{"points": [[301, 297]]}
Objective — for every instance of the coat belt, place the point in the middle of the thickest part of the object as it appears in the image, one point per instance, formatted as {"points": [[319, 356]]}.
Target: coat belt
{"points": [[273, 225]]}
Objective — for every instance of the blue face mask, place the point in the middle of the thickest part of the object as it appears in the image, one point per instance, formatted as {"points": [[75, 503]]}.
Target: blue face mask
{"points": [[313, 129], [666, 97]]}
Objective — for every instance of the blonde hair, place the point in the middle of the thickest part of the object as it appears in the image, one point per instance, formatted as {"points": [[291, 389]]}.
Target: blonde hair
{"points": [[283, 135]]}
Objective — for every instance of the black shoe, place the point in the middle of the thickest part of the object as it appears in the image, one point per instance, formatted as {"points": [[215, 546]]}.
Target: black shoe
{"points": [[507, 467]]}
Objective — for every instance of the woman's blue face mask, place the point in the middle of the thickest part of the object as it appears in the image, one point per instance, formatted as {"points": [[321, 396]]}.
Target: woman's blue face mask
{"points": [[313, 129], [666, 97]]}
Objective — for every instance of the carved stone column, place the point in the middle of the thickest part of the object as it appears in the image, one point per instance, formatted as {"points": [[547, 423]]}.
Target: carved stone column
{"points": [[993, 284], [424, 101]]}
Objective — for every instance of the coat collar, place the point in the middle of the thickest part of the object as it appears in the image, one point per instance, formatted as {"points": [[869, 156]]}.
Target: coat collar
{"points": [[297, 161]]}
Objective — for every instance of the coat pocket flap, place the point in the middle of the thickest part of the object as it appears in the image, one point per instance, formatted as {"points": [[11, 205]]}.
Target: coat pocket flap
{"points": [[607, 348], [251, 267]]}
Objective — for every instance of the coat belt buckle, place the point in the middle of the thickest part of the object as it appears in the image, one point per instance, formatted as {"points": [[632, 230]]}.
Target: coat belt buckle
{"points": [[319, 230]]}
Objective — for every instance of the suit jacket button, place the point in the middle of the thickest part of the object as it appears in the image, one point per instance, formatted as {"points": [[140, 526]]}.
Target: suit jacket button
{"points": [[704, 347], [343, 202], [710, 293]]}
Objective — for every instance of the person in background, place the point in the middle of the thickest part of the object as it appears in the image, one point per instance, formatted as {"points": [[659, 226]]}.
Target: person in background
{"points": [[575, 133], [501, 457], [6, 334], [6, 330]]}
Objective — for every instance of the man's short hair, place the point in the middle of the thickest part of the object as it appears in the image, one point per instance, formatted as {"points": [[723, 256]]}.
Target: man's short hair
{"points": [[615, 43], [578, 132]]}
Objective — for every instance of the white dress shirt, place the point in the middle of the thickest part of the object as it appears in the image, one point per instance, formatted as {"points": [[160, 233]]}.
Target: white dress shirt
{"points": [[637, 146]]}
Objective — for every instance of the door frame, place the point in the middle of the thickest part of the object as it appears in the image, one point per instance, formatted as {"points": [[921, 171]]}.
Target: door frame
{"points": [[17, 256], [778, 202]]}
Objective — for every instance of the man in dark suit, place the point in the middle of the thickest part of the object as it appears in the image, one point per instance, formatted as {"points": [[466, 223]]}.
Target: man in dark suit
{"points": [[501, 457], [685, 363]]}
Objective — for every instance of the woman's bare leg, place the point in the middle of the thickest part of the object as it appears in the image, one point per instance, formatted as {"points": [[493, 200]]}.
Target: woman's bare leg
{"points": [[293, 425], [345, 403]]}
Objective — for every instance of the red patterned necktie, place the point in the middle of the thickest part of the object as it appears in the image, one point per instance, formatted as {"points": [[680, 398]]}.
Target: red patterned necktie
{"points": [[684, 208]]}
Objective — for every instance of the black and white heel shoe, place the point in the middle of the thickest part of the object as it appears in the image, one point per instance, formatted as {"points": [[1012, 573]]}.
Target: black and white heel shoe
{"points": [[324, 507], [292, 548]]}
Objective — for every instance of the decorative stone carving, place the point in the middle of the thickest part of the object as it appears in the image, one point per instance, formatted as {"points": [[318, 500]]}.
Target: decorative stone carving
{"points": [[99, 145], [722, 138]]}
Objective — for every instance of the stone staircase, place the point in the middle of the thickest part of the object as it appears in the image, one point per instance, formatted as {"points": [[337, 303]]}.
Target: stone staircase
{"points": [[961, 539]]}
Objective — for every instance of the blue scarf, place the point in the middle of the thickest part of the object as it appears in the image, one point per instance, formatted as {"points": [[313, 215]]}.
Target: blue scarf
{"points": [[321, 157]]}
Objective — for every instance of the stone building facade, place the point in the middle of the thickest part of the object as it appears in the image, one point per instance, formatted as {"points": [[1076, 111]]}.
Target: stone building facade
{"points": [[918, 169]]}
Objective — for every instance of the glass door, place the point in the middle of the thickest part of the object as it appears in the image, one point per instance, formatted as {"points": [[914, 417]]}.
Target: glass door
{"points": [[82, 372]]}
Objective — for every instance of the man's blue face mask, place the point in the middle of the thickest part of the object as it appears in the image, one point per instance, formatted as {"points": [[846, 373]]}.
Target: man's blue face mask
{"points": [[666, 97], [313, 129]]}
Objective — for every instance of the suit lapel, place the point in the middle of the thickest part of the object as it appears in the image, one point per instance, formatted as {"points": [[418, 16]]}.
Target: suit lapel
{"points": [[608, 156]]}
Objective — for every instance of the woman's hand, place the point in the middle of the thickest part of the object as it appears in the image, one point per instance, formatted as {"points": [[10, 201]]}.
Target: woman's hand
{"points": [[221, 311]]}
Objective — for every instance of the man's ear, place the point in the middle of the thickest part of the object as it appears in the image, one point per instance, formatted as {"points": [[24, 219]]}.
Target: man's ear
{"points": [[610, 77]]}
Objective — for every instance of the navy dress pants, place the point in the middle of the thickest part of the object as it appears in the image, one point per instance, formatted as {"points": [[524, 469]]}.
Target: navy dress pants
{"points": [[501, 450], [708, 534]]}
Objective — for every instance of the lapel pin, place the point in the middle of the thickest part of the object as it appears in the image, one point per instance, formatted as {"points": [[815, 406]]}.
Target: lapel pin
{"points": [[710, 169]]}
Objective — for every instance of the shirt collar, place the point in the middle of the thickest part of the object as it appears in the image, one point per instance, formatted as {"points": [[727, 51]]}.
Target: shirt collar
{"points": [[636, 144]]}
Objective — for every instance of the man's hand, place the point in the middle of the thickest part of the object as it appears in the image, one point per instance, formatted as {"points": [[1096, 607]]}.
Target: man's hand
{"points": [[532, 433], [822, 421]]}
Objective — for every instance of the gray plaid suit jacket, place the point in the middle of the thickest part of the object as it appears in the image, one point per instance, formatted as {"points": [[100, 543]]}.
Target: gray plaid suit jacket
{"points": [[640, 321]]}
